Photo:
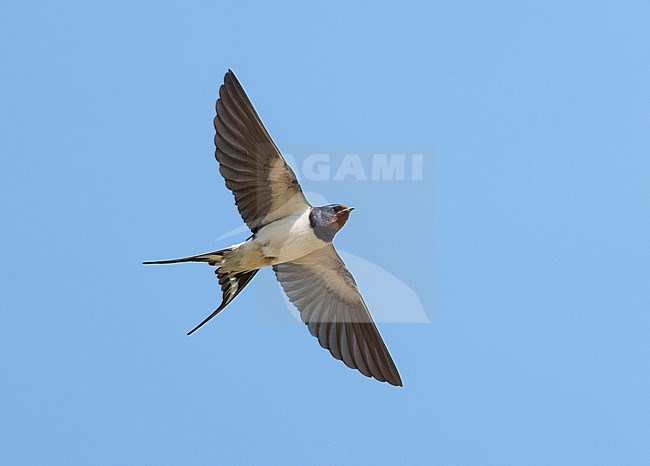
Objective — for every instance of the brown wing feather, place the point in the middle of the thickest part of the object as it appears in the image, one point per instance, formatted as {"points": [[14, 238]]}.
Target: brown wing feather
{"points": [[325, 293], [264, 186]]}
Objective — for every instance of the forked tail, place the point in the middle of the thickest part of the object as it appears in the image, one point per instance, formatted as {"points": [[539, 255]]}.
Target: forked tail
{"points": [[232, 283], [212, 258]]}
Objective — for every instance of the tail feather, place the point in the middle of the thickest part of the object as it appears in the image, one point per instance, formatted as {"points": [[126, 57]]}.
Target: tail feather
{"points": [[232, 283], [213, 258], [231, 286]]}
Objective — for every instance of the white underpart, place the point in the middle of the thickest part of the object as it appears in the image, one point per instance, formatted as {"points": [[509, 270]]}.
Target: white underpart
{"points": [[284, 240], [288, 239]]}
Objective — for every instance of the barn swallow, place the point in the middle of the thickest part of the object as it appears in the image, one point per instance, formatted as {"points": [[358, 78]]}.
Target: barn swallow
{"points": [[292, 237]]}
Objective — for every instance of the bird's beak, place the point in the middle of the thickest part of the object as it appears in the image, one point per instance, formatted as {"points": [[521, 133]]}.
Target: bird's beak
{"points": [[348, 209]]}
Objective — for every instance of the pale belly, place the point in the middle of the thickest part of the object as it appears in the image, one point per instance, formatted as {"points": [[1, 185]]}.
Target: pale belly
{"points": [[284, 240], [287, 239]]}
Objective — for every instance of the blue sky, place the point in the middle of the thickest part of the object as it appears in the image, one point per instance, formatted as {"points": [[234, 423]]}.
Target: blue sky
{"points": [[525, 242]]}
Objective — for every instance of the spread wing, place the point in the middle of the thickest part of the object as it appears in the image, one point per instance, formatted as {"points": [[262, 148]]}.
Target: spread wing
{"points": [[264, 186], [323, 290]]}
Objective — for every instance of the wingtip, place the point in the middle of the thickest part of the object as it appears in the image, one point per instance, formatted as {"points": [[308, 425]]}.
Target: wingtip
{"points": [[230, 80], [394, 382]]}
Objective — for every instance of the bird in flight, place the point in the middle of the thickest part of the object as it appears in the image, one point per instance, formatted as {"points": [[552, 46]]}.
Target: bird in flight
{"points": [[292, 237]]}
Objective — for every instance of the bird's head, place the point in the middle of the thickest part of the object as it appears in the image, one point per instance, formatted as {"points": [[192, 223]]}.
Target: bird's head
{"points": [[338, 214], [328, 220]]}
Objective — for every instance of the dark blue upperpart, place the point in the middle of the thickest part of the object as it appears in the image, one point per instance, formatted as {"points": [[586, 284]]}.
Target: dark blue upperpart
{"points": [[328, 220]]}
